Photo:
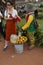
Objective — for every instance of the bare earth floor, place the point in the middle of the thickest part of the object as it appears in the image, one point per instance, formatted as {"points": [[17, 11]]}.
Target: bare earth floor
{"points": [[28, 57]]}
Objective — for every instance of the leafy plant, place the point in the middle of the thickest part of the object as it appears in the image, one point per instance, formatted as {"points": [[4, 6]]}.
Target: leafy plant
{"points": [[40, 9], [39, 38], [22, 15]]}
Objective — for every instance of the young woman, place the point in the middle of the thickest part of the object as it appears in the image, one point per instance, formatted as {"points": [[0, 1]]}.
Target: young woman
{"points": [[11, 16]]}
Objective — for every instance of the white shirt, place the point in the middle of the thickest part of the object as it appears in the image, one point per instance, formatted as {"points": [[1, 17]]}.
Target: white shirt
{"points": [[0, 15], [13, 13]]}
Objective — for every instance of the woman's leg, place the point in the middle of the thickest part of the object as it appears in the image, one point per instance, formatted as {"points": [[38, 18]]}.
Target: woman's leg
{"points": [[8, 33], [6, 45], [31, 39]]}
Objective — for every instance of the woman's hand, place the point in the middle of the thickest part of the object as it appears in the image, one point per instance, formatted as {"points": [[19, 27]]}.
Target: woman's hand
{"points": [[1, 16], [8, 19], [14, 17]]}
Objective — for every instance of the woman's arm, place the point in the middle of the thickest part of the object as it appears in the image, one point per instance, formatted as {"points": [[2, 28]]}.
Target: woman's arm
{"points": [[30, 19], [14, 17]]}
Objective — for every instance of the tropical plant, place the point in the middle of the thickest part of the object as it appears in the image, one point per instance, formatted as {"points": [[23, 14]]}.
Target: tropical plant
{"points": [[39, 37]]}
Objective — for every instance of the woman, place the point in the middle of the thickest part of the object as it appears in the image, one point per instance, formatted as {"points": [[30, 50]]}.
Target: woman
{"points": [[11, 17], [29, 26]]}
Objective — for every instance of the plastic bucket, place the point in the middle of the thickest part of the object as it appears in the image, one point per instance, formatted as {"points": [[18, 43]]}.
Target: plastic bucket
{"points": [[19, 49]]}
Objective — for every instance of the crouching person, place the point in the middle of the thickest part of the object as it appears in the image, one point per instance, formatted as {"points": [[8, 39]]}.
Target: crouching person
{"points": [[30, 29]]}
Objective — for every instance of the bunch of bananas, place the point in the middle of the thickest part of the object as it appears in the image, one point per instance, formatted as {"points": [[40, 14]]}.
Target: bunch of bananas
{"points": [[20, 40]]}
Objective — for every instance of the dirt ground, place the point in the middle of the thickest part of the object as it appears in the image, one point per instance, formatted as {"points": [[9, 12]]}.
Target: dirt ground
{"points": [[28, 57]]}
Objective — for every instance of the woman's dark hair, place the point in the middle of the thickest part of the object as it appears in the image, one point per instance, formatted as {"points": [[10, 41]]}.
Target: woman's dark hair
{"points": [[10, 2], [36, 13]]}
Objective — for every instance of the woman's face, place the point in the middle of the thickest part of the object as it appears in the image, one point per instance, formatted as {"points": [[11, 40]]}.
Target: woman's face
{"points": [[9, 6]]}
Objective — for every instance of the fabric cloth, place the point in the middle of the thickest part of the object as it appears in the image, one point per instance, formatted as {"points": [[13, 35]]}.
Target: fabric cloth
{"points": [[10, 29]]}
